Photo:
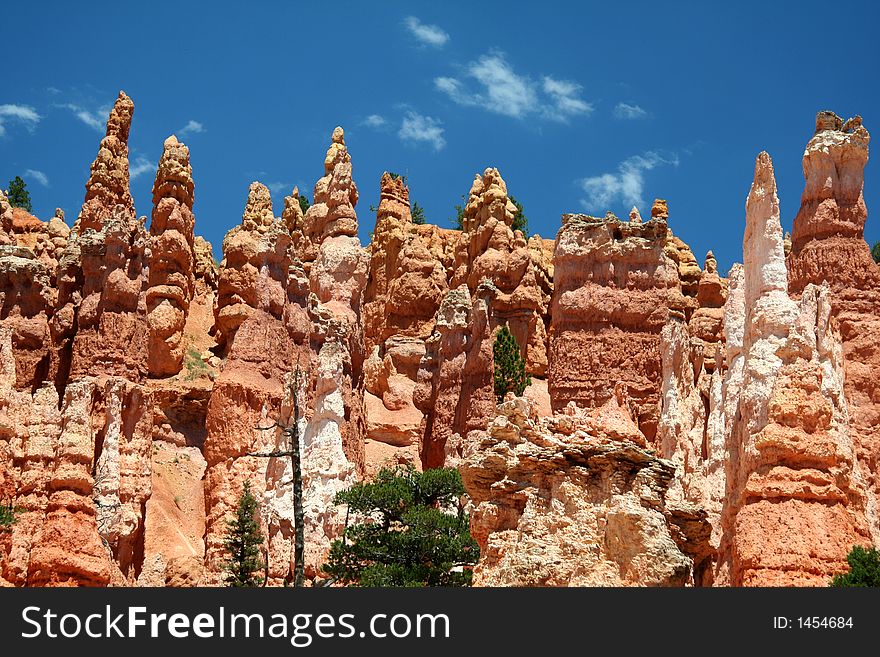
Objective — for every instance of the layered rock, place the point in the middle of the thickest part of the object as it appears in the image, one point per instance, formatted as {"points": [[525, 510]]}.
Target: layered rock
{"points": [[406, 283], [255, 315], [796, 500], [456, 391], [828, 246], [615, 288], [172, 265], [558, 502], [337, 278], [80, 470], [489, 249], [99, 327]]}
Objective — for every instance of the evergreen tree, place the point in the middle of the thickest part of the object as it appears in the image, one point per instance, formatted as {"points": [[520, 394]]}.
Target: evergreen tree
{"points": [[243, 541], [18, 194], [864, 568], [510, 366], [304, 203], [410, 535], [875, 252], [520, 222], [418, 214]]}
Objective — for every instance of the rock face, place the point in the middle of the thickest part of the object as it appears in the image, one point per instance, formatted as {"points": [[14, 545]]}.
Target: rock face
{"points": [[828, 246], [172, 265], [681, 428], [99, 326], [255, 316], [558, 502], [796, 500], [406, 284], [489, 249], [615, 287], [267, 304]]}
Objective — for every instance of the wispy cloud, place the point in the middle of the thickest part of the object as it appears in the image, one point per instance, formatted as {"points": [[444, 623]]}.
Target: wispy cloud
{"points": [[430, 35], [627, 111], [374, 121], [279, 187], [566, 100], [37, 175], [416, 127], [140, 166], [502, 90], [191, 128], [96, 119], [24, 114], [626, 184]]}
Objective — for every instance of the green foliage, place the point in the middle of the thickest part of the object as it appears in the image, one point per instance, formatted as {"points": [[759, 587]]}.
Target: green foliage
{"points": [[243, 541], [510, 366], [304, 202], [875, 252], [18, 195], [395, 176], [409, 536], [864, 568], [7, 516], [520, 222], [458, 224], [418, 214], [196, 366]]}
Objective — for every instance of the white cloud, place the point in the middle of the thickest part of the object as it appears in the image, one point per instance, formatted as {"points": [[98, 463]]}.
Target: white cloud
{"points": [[279, 187], [416, 127], [430, 35], [566, 100], [192, 127], [37, 175], [95, 119], [21, 113], [627, 111], [140, 166], [374, 121], [503, 91], [626, 184]]}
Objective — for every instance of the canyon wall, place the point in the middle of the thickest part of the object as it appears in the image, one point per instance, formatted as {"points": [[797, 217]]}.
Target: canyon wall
{"points": [[681, 428]]}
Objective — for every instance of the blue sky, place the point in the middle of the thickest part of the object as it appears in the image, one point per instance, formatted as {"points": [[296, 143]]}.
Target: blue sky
{"points": [[591, 107]]}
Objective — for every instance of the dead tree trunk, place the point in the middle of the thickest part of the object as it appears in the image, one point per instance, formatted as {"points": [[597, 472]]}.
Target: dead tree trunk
{"points": [[291, 449]]}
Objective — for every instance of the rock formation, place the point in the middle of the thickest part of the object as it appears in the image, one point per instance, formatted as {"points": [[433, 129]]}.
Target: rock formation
{"points": [[680, 429], [614, 289], [172, 266], [796, 500], [558, 502], [489, 249], [828, 246], [99, 326], [406, 284]]}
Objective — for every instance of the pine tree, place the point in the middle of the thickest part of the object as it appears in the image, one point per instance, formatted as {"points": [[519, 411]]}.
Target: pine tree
{"points": [[418, 214], [304, 203], [520, 222], [18, 194], [875, 252], [510, 366], [243, 542], [864, 568], [410, 536]]}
